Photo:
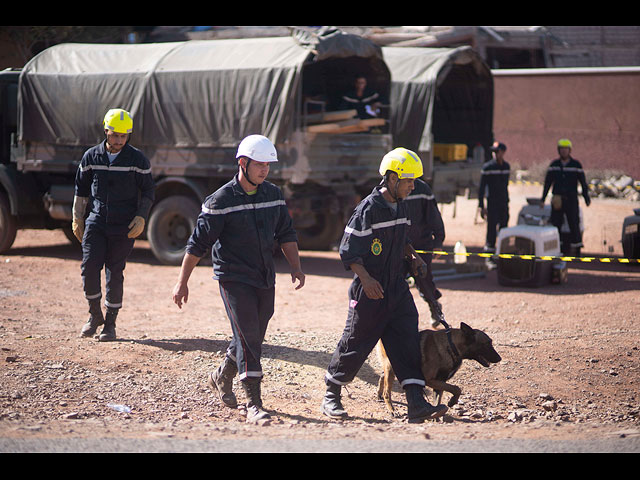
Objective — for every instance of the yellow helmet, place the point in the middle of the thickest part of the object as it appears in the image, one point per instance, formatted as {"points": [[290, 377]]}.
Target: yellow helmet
{"points": [[564, 142], [405, 163], [118, 120]]}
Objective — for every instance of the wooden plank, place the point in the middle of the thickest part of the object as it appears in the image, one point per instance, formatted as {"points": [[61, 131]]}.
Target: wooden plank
{"points": [[373, 122], [325, 127], [328, 117], [348, 126]]}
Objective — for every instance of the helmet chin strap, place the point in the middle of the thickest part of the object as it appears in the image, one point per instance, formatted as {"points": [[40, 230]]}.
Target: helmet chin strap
{"points": [[394, 193], [246, 174]]}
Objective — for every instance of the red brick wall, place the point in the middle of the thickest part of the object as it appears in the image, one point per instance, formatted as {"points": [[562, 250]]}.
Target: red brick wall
{"points": [[598, 112]]}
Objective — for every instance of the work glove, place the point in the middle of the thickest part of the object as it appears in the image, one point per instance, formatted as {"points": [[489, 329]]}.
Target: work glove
{"points": [[77, 226], [136, 227]]}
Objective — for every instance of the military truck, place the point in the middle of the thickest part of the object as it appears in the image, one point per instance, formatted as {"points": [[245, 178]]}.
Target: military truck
{"points": [[194, 101]]}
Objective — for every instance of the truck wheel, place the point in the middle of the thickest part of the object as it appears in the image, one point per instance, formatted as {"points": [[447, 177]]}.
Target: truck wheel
{"points": [[171, 223], [8, 224], [324, 235], [68, 232]]}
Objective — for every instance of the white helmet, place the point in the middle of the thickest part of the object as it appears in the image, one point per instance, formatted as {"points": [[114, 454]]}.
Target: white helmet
{"points": [[257, 148]]}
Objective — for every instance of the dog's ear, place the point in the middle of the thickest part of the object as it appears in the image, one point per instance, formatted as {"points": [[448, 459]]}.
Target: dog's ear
{"points": [[464, 326], [467, 331]]}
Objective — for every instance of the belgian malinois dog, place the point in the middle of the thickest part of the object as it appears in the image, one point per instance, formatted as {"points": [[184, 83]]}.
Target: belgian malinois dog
{"points": [[442, 353]]}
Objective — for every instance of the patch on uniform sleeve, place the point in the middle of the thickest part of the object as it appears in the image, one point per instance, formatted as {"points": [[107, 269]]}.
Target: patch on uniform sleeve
{"points": [[353, 303], [376, 247]]}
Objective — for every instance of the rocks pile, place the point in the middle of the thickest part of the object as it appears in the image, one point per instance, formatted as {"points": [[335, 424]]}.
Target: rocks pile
{"points": [[622, 186]]}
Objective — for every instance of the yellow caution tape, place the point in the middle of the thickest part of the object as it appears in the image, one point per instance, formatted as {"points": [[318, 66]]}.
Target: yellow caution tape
{"points": [[534, 257], [524, 182], [593, 187]]}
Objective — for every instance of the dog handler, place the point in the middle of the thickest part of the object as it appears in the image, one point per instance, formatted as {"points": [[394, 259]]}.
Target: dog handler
{"points": [[115, 180], [426, 234], [243, 220], [374, 246]]}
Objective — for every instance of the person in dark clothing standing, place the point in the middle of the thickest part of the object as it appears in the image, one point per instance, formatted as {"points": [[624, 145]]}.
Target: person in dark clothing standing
{"points": [[426, 234], [114, 179], [494, 184], [564, 173], [242, 221], [381, 306]]}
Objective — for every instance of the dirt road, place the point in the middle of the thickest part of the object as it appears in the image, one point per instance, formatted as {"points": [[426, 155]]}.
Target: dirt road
{"points": [[570, 368]]}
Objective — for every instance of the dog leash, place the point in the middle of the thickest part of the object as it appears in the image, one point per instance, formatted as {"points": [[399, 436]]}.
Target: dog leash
{"points": [[454, 350]]}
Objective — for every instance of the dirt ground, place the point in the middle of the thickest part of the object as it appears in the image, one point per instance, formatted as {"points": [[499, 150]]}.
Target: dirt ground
{"points": [[570, 367]]}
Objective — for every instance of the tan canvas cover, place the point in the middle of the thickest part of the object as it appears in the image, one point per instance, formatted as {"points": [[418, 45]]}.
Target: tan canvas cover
{"points": [[190, 94], [416, 74], [209, 93]]}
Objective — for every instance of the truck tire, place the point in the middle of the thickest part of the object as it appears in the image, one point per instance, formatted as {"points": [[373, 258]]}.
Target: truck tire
{"points": [[171, 223], [8, 224], [324, 235], [68, 233]]}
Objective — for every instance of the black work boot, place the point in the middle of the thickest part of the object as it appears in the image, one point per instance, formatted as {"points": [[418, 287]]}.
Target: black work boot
{"points": [[331, 404], [95, 319], [419, 409], [255, 413], [222, 381], [108, 333]]}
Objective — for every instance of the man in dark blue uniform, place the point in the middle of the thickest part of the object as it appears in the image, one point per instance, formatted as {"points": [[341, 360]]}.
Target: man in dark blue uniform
{"points": [[494, 184], [381, 306], [242, 221], [564, 173], [114, 179], [426, 234]]}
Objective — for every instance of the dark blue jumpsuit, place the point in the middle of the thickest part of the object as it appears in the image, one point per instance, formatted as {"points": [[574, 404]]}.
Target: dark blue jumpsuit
{"points": [[375, 237], [565, 179], [426, 234], [494, 184], [117, 193], [243, 230]]}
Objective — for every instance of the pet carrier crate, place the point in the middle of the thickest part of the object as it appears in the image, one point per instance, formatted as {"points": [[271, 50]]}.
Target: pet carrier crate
{"points": [[538, 213], [631, 235], [530, 240]]}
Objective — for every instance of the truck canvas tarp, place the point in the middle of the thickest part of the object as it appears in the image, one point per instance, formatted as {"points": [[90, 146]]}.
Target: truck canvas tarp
{"points": [[192, 103], [188, 94], [442, 96]]}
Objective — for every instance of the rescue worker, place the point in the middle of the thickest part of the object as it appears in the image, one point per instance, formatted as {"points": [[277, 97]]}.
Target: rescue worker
{"points": [[374, 246], [564, 173], [242, 221], [114, 179], [494, 184], [426, 233]]}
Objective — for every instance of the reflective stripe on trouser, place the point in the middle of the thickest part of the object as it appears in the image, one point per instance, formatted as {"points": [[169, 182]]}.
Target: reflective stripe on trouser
{"points": [[249, 310], [109, 250], [394, 319]]}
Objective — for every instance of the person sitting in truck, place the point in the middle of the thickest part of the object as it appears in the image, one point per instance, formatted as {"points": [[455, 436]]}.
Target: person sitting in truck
{"points": [[363, 99]]}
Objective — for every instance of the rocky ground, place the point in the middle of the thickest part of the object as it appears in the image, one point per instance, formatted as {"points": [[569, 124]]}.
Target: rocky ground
{"points": [[570, 366]]}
